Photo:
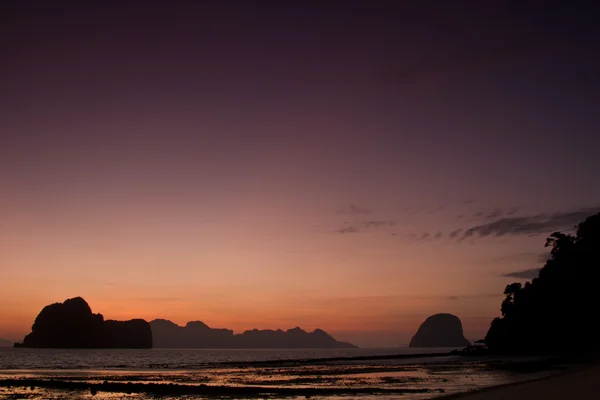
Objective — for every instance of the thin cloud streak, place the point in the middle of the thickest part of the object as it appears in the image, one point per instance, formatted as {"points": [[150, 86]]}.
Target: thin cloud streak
{"points": [[348, 229], [365, 225], [497, 213], [376, 224], [523, 257], [525, 274], [455, 233], [530, 225]]}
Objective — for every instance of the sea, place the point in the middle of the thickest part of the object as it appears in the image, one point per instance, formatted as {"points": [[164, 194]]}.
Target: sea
{"points": [[200, 373]]}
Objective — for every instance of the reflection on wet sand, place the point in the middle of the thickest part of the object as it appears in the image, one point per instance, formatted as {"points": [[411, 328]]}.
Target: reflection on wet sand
{"points": [[413, 381]]}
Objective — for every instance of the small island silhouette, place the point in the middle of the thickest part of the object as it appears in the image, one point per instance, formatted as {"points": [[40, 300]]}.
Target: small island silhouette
{"points": [[552, 312], [197, 334], [72, 324], [440, 330]]}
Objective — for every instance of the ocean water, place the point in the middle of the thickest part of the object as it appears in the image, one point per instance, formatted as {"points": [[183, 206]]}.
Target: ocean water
{"points": [[174, 358], [199, 374]]}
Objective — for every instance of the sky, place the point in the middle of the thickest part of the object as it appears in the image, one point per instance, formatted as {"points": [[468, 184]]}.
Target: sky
{"points": [[354, 166]]}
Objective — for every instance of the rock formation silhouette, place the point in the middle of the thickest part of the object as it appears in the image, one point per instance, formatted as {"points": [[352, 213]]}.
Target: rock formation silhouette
{"points": [[440, 330], [295, 338], [196, 334], [555, 311], [72, 324]]}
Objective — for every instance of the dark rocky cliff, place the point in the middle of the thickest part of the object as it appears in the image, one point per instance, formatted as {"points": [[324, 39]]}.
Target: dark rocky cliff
{"points": [[72, 324]]}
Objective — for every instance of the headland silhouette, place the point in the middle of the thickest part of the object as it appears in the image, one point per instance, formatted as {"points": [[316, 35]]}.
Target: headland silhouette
{"points": [[555, 311]]}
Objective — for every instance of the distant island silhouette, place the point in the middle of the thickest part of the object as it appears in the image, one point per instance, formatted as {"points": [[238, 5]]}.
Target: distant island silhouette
{"points": [[440, 330], [197, 334], [72, 324], [5, 343], [555, 311]]}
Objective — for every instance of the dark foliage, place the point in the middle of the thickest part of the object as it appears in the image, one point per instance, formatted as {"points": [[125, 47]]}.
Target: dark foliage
{"points": [[557, 310]]}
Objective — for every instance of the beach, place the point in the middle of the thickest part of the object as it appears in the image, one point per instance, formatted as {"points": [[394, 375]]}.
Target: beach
{"points": [[142, 374], [579, 383]]}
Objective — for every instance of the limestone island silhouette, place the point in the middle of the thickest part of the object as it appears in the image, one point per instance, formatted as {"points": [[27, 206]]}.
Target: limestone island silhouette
{"points": [[197, 334], [440, 330], [72, 324]]}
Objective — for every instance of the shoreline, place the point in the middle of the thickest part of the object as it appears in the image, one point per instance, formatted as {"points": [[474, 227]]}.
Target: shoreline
{"points": [[169, 389], [579, 381], [450, 379], [283, 362]]}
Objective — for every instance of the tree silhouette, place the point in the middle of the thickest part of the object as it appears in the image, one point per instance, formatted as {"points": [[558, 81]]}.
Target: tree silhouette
{"points": [[557, 310]]}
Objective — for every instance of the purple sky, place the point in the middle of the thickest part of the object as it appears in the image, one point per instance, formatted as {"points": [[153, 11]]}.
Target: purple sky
{"points": [[349, 165]]}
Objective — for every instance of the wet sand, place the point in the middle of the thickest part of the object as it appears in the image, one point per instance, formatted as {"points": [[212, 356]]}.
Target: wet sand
{"points": [[581, 383], [414, 379]]}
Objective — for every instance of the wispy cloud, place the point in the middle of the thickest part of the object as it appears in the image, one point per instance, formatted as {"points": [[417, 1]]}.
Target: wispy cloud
{"points": [[377, 224], [524, 274], [455, 233], [365, 225], [347, 229], [512, 211], [473, 297], [419, 236], [525, 258], [426, 236], [497, 213], [530, 225]]}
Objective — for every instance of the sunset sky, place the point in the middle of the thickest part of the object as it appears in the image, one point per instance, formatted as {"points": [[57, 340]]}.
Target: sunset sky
{"points": [[354, 166]]}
